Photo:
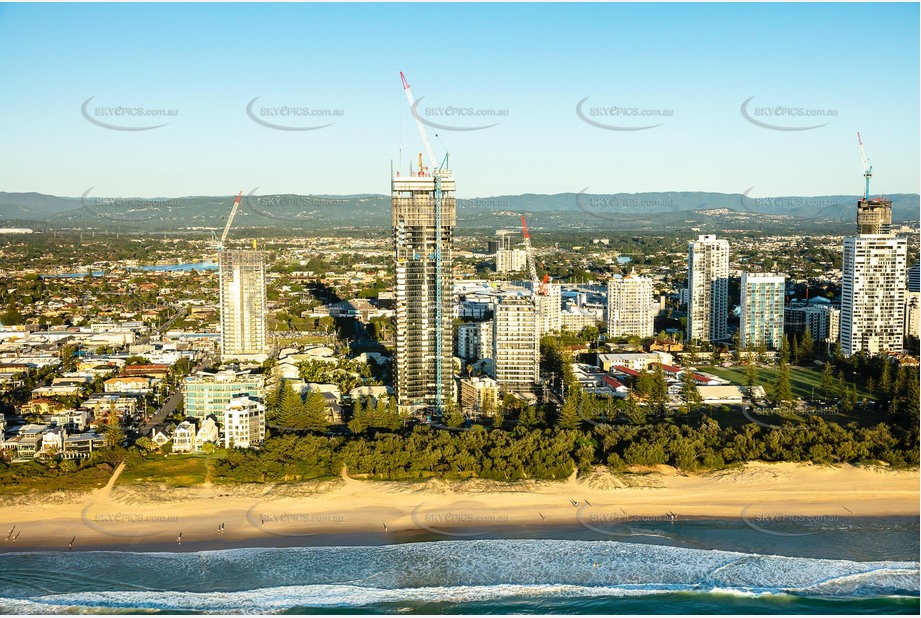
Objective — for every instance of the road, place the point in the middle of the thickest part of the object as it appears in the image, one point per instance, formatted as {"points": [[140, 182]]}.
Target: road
{"points": [[169, 406]]}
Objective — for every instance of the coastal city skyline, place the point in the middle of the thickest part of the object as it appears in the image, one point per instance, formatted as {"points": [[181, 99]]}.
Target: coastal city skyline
{"points": [[640, 374]]}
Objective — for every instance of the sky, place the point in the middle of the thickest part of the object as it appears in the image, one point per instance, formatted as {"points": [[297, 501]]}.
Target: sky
{"points": [[523, 68]]}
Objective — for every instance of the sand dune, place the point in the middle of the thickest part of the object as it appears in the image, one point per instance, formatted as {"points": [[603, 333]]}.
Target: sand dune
{"points": [[140, 516]]}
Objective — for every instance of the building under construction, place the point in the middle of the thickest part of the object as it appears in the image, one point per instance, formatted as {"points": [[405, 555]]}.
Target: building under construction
{"points": [[874, 216], [243, 331], [419, 273]]}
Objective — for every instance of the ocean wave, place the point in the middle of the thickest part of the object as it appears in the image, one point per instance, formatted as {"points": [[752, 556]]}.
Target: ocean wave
{"points": [[263, 580], [273, 600]]}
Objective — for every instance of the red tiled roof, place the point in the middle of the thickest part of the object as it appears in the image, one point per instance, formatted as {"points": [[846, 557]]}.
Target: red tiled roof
{"points": [[612, 382]]}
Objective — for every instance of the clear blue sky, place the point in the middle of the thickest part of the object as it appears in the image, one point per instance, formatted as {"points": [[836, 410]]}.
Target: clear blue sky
{"points": [[536, 61]]}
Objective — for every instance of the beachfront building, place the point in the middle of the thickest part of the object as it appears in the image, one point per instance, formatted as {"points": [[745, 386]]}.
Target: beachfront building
{"points": [[516, 345], [207, 394], [479, 395], [762, 312], [873, 294], [708, 289], [423, 249], [207, 432], [244, 423], [184, 437]]}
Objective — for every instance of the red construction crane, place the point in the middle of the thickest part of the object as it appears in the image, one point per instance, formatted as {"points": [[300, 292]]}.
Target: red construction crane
{"points": [[539, 286]]}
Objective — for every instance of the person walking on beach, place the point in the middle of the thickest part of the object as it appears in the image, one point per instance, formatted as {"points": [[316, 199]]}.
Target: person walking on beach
{"points": [[179, 539]]}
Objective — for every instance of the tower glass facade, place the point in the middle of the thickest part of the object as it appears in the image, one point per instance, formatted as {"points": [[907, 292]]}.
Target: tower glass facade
{"points": [[416, 283]]}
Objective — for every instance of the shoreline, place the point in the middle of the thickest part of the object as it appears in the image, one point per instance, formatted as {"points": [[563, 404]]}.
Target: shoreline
{"points": [[354, 512]]}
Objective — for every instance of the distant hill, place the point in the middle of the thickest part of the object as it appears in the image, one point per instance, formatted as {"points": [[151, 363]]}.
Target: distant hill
{"points": [[571, 211]]}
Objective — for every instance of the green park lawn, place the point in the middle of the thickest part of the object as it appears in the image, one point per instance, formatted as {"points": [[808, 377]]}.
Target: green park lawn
{"points": [[802, 379]]}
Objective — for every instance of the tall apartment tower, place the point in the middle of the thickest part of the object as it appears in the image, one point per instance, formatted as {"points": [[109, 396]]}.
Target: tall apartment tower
{"points": [[762, 314], [416, 289], [549, 308], [874, 216], [516, 344], [873, 293], [242, 283], [631, 308], [708, 288]]}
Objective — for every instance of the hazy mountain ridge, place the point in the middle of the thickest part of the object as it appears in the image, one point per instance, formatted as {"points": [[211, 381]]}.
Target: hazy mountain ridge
{"points": [[563, 210]]}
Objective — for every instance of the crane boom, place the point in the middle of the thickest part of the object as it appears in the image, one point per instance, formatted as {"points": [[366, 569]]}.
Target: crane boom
{"points": [[233, 213], [530, 253], [867, 168], [425, 138]]}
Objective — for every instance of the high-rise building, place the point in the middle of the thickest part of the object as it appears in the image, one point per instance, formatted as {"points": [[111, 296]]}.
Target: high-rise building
{"points": [[914, 278], [912, 314], [474, 340], [516, 344], [708, 288], [631, 307], [549, 306], [242, 289], [822, 320], [423, 290], [874, 216], [244, 423], [762, 311], [511, 260], [873, 294]]}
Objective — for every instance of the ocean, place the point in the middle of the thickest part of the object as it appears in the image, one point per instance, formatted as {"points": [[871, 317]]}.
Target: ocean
{"points": [[715, 566]]}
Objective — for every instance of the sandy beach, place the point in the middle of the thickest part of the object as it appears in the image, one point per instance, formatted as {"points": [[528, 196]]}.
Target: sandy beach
{"points": [[145, 517]]}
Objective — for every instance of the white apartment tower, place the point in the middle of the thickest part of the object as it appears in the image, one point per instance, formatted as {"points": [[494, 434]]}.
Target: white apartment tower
{"points": [[708, 288], [242, 290], [474, 340], [549, 307], [244, 423], [762, 315], [631, 308], [511, 261], [873, 294], [419, 273], [516, 344]]}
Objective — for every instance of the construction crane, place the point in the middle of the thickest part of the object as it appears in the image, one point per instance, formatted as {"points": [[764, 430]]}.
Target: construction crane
{"points": [[233, 213], [439, 276], [425, 138], [867, 168], [539, 287]]}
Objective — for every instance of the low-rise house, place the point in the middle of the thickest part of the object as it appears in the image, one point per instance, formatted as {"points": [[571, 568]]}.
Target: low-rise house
{"points": [[39, 405], [82, 445], [127, 384], [73, 421], [100, 405], [372, 392], [184, 437], [161, 434], [157, 371], [25, 443], [207, 432], [58, 390], [52, 443]]}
